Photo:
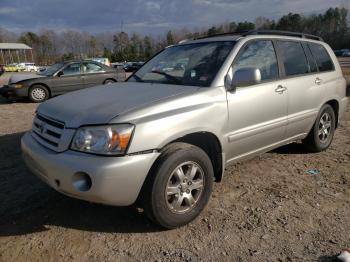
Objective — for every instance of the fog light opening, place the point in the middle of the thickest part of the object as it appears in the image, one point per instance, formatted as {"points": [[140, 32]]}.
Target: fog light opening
{"points": [[58, 183], [81, 181]]}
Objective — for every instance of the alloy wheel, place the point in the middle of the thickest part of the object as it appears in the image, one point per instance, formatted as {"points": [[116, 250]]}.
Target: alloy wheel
{"points": [[184, 187], [38, 94], [325, 127]]}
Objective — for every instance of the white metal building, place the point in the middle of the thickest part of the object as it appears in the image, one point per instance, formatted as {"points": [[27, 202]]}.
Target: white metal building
{"points": [[15, 53]]}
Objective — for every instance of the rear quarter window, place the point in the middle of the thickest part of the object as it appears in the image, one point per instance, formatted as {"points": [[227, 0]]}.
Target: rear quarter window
{"points": [[323, 59]]}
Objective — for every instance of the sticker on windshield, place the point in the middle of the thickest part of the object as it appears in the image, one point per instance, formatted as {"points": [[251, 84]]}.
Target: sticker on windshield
{"points": [[193, 73]]}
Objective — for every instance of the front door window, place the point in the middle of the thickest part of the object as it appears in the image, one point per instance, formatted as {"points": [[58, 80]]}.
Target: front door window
{"points": [[72, 69]]}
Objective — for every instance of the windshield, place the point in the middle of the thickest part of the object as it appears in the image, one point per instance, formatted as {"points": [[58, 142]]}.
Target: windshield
{"points": [[52, 69], [189, 64]]}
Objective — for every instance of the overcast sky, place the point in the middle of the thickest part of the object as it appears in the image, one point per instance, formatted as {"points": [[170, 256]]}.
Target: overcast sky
{"points": [[156, 16]]}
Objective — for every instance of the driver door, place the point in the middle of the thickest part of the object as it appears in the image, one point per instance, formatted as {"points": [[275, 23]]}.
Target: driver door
{"points": [[70, 80], [257, 113]]}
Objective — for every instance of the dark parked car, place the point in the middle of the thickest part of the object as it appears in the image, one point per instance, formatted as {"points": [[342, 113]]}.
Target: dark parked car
{"points": [[342, 53], [61, 78], [132, 67], [2, 69]]}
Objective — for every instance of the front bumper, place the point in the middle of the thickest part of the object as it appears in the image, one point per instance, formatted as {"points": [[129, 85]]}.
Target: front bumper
{"points": [[7, 92], [115, 180]]}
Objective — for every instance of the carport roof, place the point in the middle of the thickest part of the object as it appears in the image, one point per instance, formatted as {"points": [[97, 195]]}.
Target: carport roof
{"points": [[14, 46]]}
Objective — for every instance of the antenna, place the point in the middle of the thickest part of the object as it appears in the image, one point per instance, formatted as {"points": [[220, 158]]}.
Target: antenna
{"points": [[121, 26]]}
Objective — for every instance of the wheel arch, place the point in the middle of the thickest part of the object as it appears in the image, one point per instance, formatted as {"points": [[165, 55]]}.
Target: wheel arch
{"points": [[210, 144], [335, 105], [110, 78]]}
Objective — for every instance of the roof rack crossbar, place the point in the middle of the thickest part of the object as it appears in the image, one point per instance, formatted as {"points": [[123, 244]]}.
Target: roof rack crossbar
{"points": [[285, 33]]}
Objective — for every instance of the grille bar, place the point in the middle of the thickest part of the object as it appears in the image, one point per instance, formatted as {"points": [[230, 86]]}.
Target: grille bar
{"points": [[45, 142], [51, 122], [47, 131]]}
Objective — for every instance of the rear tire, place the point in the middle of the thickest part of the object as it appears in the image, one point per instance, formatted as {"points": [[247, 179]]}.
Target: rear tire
{"points": [[38, 93], [171, 197], [109, 81], [322, 132]]}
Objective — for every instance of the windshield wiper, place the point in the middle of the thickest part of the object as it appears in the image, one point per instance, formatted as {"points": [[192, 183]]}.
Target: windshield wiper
{"points": [[170, 77]]}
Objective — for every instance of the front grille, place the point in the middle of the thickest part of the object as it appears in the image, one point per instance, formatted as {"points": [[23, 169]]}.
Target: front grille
{"points": [[48, 131]]}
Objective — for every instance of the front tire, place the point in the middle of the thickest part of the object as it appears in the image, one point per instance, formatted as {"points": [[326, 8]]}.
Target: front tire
{"points": [[38, 94], [322, 132], [179, 187]]}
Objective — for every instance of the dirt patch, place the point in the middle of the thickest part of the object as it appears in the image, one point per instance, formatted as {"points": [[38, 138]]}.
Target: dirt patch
{"points": [[266, 209]]}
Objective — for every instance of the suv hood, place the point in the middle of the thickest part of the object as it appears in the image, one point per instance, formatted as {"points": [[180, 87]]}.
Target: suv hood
{"points": [[100, 104]]}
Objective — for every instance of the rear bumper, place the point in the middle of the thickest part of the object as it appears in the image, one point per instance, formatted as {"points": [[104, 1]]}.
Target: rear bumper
{"points": [[114, 180], [342, 107]]}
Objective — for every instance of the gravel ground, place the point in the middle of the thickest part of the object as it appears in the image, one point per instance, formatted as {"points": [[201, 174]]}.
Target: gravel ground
{"points": [[266, 209]]}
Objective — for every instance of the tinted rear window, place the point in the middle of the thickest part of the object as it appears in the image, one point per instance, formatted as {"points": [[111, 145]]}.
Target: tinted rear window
{"points": [[323, 60], [293, 57], [310, 58]]}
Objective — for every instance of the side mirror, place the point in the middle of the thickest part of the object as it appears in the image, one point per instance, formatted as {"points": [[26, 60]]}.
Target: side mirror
{"points": [[245, 77], [60, 73]]}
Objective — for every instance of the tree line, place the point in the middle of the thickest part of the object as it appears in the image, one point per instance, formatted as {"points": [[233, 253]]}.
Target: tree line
{"points": [[50, 46]]}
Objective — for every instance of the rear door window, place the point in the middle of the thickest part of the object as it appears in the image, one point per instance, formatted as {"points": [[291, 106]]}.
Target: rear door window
{"points": [[259, 54], [92, 68], [293, 58], [323, 60], [310, 58]]}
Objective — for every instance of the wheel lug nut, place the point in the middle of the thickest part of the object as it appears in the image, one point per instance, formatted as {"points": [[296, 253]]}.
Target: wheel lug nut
{"points": [[189, 183], [187, 191]]}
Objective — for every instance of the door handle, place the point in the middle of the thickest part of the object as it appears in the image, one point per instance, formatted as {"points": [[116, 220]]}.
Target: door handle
{"points": [[318, 81], [280, 89]]}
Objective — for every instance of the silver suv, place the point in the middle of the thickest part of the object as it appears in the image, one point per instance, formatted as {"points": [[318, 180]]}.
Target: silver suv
{"points": [[161, 138]]}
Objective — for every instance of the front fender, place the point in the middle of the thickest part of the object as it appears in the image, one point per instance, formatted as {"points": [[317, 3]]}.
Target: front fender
{"points": [[169, 121]]}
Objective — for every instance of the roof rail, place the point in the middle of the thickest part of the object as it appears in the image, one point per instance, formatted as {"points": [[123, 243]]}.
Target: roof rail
{"points": [[262, 32], [285, 33], [223, 34]]}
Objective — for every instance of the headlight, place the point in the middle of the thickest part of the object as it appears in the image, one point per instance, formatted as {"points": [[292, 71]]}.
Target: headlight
{"points": [[106, 140]]}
